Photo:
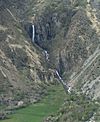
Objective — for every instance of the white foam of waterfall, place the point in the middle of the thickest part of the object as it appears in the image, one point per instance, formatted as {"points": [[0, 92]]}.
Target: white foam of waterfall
{"points": [[61, 80], [69, 89], [59, 75], [33, 33], [46, 55]]}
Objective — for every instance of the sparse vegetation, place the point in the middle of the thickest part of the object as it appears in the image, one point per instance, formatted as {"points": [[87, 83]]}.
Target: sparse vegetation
{"points": [[69, 31], [77, 108]]}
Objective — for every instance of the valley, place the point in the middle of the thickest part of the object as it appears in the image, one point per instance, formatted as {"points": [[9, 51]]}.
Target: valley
{"points": [[50, 61], [38, 112]]}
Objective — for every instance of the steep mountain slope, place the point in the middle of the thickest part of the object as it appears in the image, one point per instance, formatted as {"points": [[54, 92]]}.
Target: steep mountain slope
{"points": [[66, 48], [70, 32], [81, 60], [23, 73]]}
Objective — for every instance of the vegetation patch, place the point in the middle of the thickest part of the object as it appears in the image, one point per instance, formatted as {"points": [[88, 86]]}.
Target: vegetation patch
{"points": [[77, 108], [39, 111]]}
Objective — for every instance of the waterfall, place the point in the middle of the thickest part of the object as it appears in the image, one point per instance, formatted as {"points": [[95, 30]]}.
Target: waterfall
{"points": [[33, 33], [61, 79], [69, 89], [59, 75], [46, 55], [66, 87]]}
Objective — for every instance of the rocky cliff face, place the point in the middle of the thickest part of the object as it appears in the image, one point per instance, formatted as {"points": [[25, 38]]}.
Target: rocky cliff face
{"points": [[23, 71], [68, 30]]}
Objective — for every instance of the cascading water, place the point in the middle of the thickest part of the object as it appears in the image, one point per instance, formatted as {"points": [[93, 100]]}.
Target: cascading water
{"points": [[60, 78], [46, 55], [33, 33], [66, 87], [69, 89]]}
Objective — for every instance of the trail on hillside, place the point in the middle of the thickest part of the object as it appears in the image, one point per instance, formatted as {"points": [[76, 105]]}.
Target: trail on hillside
{"points": [[91, 14]]}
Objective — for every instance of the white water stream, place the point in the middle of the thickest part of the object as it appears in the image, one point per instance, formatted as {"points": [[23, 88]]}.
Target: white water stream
{"points": [[33, 33], [68, 88], [46, 55]]}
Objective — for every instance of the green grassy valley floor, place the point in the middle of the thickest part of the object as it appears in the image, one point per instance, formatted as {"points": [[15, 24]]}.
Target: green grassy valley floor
{"points": [[50, 104]]}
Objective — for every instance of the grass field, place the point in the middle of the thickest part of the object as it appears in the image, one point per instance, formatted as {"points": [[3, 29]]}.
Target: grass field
{"points": [[38, 112]]}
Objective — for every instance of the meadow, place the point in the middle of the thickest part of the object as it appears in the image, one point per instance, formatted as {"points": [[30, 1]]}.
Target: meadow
{"points": [[37, 112]]}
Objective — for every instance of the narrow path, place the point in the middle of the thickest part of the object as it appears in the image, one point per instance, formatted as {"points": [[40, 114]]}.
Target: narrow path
{"points": [[91, 14], [85, 66], [13, 16]]}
